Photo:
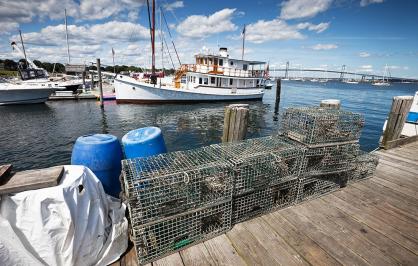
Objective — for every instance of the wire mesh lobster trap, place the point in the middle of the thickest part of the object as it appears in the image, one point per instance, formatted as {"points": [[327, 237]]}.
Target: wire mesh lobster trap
{"points": [[364, 166], [329, 158], [312, 186], [285, 193], [258, 162], [163, 185], [163, 237], [316, 125], [251, 204]]}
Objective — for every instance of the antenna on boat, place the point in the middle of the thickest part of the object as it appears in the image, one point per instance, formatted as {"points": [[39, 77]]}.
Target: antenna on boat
{"points": [[243, 43], [66, 35], [23, 46]]}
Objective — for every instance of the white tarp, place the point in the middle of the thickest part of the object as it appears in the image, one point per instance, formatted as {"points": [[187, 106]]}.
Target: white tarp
{"points": [[74, 223]]}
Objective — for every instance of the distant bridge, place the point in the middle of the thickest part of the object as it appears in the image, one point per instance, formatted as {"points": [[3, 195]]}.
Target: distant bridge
{"points": [[342, 74]]}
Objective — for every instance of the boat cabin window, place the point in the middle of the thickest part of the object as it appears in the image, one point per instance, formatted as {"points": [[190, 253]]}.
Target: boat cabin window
{"points": [[29, 73], [245, 67], [221, 62], [194, 79], [205, 81], [212, 80], [231, 63], [215, 61], [206, 61], [210, 61], [230, 81], [200, 80]]}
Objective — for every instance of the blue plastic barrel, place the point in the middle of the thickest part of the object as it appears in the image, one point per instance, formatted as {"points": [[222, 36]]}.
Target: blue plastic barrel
{"points": [[101, 153], [143, 142]]}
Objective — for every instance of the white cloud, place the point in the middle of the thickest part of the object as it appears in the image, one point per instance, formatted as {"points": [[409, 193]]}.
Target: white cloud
{"points": [[17, 12], [112, 31], [369, 2], [314, 27], [320, 46], [277, 29], [364, 54], [173, 5], [292, 9], [200, 26]]}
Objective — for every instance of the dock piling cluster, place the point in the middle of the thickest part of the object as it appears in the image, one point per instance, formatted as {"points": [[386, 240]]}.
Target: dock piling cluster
{"points": [[182, 198]]}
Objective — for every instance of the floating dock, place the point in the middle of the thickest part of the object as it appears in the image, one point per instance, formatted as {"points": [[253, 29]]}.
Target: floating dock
{"points": [[370, 222]]}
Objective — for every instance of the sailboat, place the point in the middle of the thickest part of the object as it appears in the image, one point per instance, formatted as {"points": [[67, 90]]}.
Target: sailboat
{"points": [[382, 82], [213, 77]]}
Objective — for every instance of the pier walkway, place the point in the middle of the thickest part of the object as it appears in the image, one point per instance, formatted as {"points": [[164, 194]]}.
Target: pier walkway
{"points": [[371, 222]]}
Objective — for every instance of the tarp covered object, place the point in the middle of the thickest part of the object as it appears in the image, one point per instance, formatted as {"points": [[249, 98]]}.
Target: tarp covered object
{"points": [[74, 223]]}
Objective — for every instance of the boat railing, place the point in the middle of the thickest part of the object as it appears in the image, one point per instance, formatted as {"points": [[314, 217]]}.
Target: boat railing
{"points": [[220, 70]]}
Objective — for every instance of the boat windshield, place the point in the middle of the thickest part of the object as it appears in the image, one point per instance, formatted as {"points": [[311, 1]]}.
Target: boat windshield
{"points": [[31, 73]]}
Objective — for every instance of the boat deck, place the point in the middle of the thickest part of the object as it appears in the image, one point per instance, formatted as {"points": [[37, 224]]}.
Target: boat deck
{"points": [[371, 222]]}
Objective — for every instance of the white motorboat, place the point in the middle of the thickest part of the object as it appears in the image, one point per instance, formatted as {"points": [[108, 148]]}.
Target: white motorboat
{"points": [[350, 81], [212, 78], [11, 93]]}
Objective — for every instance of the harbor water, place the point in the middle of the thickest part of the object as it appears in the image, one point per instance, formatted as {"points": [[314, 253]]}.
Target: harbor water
{"points": [[37, 136]]}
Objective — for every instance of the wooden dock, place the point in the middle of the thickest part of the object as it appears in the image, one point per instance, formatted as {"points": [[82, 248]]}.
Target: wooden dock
{"points": [[371, 222]]}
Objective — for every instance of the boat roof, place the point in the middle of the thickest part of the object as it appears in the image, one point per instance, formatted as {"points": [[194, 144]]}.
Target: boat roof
{"points": [[250, 62]]}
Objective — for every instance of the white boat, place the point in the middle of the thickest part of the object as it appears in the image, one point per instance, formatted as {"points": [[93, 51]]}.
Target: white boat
{"points": [[11, 93], [350, 81], [410, 127], [314, 80], [382, 82], [212, 78], [268, 84]]}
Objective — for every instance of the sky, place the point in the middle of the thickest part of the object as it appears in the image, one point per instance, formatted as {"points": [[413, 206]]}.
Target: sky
{"points": [[364, 35]]}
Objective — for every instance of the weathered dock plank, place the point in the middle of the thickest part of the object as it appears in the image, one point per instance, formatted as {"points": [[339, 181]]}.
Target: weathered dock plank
{"points": [[371, 222]]}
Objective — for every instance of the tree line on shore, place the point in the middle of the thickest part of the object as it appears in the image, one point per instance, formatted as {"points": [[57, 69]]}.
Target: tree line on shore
{"points": [[11, 65]]}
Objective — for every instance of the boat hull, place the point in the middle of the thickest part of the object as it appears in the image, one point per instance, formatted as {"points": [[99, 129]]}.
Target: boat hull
{"points": [[24, 96], [129, 90]]}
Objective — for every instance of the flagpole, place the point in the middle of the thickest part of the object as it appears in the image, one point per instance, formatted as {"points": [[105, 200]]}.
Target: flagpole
{"points": [[243, 43]]}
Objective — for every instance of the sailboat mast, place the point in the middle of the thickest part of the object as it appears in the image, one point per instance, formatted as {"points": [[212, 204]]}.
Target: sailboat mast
{"points": [[66, 36], [153, 37], [23, 46], [243, 43]]}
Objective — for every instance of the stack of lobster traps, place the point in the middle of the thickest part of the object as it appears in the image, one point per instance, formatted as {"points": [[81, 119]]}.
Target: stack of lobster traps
{"points": [[331, 147], [176, 200], [265, 174]]}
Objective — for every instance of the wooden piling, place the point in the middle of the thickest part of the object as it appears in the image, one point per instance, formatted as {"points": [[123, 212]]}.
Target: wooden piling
{"points": [[331, 103], [92, 80], [278, 95], [235, 122], [99, 71], [396, 120]]}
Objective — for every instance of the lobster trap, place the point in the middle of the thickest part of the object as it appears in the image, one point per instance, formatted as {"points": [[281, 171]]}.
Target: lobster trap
{"points": [[316, 125], [285, 193], [167, 184], [163, 237], [364, 166], [312, 186], [251, 204], [332, 158], [258, 162]]}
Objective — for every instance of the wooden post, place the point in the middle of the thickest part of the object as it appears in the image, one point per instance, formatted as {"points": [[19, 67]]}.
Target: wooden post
{"points": [[84, 80], [331, 103], [396, 120], [278, 93], [92, 80], [99, 71], [235, 122]]}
